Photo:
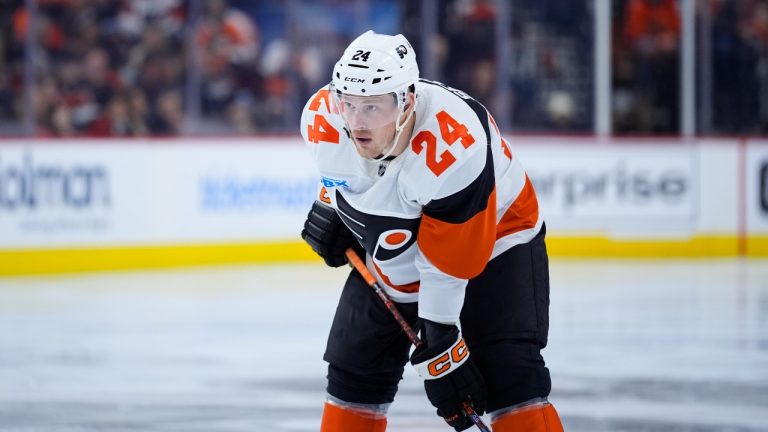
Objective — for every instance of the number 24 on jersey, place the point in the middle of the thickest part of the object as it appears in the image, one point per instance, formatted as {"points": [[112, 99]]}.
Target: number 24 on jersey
{"points": [[450, 131]]}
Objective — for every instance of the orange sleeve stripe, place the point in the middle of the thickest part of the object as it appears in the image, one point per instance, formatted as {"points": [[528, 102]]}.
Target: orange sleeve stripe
{"points": [[407, 288], [460, 249], [522, 214]]}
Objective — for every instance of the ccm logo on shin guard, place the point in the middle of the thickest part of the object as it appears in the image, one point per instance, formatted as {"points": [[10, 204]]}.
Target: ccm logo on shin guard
{"points": [[444, 362]]}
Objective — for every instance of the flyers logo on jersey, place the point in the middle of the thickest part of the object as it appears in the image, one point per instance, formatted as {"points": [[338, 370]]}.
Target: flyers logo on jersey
{"points": [[384, 237], [394, 239], [445, 362], [392, 243]]}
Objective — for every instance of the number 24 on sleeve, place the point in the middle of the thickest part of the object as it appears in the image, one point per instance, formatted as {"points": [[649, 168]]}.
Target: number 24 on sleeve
{"points": [[321, 129]]}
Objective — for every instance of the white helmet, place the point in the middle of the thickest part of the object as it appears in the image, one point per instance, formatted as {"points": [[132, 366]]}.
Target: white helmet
{"points": [[376, 64]]}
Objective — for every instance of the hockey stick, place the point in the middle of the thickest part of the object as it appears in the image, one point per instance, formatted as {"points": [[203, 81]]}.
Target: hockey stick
{"points": [[355, 261], [358, 264]]}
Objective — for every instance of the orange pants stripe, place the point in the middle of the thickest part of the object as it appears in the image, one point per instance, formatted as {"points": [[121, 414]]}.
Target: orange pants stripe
{"points": [[340, 419], [538, 418]]}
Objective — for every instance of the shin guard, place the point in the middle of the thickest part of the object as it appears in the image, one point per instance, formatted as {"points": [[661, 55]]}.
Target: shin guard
{"points": [[532, 418], [337, 418]]}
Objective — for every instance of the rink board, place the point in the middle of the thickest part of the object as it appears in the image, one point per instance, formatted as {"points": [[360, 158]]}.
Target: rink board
{"points": [[115, 204], [755, 162]]}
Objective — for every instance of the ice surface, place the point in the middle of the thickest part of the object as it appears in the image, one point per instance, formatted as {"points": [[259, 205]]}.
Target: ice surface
{"points": [[634, 346]]}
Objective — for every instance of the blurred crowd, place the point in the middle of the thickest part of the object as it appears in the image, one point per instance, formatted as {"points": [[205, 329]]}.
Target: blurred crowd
{"points": [[740, 65], [224, 67], [732, 34], [99, 67], [546, 76]]}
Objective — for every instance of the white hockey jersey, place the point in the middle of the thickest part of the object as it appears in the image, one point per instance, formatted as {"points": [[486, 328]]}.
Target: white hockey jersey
{"points": [[431, 218]]}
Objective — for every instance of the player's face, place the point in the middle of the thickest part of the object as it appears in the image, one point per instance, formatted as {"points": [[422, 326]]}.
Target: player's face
{"points": [[371, 120]]}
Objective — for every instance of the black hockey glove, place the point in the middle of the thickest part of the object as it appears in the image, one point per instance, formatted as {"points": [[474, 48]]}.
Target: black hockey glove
{"points": [[450, 376], [328, 236]]}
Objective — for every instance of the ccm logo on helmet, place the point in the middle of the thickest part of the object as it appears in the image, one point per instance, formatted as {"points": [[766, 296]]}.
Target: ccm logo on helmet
{"points": [[355, 80]]}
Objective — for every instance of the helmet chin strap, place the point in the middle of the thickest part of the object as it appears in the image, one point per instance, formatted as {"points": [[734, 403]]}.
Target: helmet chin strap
{"points": [[399, 129]]}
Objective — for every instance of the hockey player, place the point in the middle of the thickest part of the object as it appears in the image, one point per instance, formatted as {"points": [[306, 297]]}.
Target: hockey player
{"points": [[418, 179]]}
